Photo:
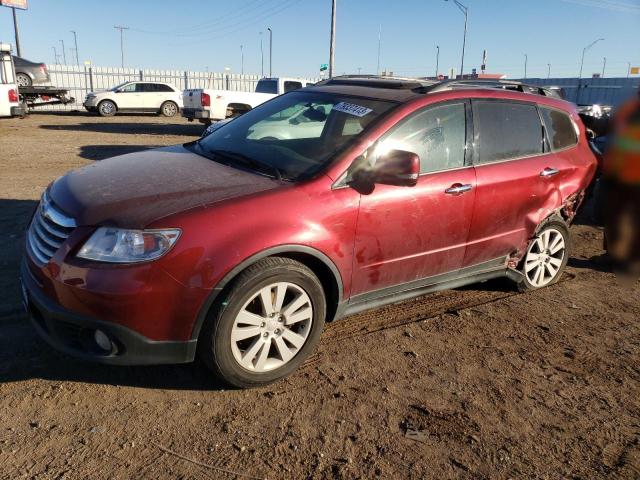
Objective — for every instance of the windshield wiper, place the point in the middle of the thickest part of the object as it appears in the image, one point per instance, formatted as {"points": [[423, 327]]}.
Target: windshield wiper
{"points": [[248, 161]]}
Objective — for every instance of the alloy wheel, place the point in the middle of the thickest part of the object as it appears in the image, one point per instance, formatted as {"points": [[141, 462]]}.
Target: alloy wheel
{"points": [[272, 327], [544, 258]]}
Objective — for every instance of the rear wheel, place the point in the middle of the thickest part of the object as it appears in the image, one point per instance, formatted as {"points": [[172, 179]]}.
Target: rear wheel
{"points": [[23, 80], [268, 323], [169, 109], [107, 108], [546, 257]]}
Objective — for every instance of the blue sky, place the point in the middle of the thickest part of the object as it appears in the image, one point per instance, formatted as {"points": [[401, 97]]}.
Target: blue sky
{"points": [[190, 34]]}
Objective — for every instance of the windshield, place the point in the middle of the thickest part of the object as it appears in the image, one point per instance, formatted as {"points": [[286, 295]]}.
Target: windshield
{"points": [[294, 135], [267, 86]]}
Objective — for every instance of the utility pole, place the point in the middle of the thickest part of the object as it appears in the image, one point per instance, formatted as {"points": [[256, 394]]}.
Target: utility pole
{"points": [[261, 58], [437, 59], [359, 70], [628, 69], [332, 45], [64, 53], [75, 41], [16, 31], [379, 43], [121, 28], [55, 56], [241, 61], [604, 65], [526, 59], [465, 12], [548, 71], [270, 52]]}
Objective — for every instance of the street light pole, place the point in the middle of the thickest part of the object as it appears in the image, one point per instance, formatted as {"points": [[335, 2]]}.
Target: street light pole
{"points": [[548, 71], [584, 50], [379, 44], [437, 59], [604, 65], [465, 11], [270, 52], [332, 45], [241, 61], [64, 53], [261, 58], [75, 40], [526, 59], [55, 55]]}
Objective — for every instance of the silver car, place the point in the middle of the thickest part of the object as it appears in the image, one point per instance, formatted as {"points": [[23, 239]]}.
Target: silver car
{"points": [[29, 73]]}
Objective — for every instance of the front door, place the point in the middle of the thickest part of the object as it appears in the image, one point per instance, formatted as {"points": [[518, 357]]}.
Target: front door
{"points": [[407, 234]]}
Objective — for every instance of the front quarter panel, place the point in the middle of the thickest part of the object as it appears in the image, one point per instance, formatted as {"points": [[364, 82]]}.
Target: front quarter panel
{"points": [[218, 238]]}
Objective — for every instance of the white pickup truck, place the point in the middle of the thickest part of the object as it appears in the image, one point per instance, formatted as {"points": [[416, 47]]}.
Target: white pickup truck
{"points": [[207, 105], [10, 104]]}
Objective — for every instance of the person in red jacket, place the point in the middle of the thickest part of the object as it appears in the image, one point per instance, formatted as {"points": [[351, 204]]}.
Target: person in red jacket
{"points": [[621, 174]]}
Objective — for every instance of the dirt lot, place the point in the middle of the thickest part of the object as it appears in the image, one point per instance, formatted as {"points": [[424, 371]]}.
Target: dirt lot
{"points": [[479, 382]]}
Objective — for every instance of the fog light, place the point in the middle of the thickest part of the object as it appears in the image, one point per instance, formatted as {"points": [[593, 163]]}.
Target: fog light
{"points": [[102, 340]]}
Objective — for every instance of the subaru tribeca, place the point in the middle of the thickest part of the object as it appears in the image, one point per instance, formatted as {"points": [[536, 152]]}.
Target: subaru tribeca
{"points": [[238, 247]]}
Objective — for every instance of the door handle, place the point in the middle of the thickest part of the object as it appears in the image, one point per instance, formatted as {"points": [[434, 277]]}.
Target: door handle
{"points": [[458, 189], [549, 172]]}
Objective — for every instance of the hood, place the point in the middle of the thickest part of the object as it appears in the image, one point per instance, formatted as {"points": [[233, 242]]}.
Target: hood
{"points": [[133, 190]]}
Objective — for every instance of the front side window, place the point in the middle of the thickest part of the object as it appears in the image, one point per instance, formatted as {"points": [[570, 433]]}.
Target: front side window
{"points": [[298, 133], [560, 130], [436, 134], [129, 88], [505, 130]]}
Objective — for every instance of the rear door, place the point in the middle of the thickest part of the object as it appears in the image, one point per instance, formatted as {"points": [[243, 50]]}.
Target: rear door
{"points": [[408, 234], [516, 178]]}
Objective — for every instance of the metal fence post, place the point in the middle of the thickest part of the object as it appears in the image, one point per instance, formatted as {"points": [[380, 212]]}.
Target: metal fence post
{"points": [[91, 78], [186, 80], [227, 83], [141, 75]]}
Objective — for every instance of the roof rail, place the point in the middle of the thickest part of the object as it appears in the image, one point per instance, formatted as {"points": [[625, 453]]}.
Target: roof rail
{"points": [[489, 83], [377, 81]]}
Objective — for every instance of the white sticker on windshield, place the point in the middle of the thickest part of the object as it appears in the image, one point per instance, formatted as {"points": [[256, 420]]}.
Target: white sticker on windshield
{"points": [[352, 109]]}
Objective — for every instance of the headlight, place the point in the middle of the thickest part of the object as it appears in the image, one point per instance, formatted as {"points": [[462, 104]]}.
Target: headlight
{"points": [[114, 245]]}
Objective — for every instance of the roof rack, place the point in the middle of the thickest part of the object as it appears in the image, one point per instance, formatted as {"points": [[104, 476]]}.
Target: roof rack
{"points": [[377, 81], [495, 84]]}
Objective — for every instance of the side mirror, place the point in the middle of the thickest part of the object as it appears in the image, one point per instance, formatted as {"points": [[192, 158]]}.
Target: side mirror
{"points": [[397, 167]]}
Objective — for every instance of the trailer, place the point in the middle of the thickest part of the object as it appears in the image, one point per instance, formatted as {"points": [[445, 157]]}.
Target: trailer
{"points": [[10, 104], [37, 96]]}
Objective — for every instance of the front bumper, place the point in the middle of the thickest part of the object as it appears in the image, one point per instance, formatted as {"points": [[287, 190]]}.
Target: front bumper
{"points": [[73, 333]]}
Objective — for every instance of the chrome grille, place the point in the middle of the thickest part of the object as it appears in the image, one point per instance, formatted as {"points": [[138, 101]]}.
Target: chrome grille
{"points": [[48, 230]]}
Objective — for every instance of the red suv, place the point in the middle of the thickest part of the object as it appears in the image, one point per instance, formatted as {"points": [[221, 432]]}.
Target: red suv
{"points": [[239, 247]]}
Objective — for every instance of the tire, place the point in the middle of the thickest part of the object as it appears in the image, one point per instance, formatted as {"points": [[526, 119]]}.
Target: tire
{"points": [[287, 283], [107, 108], [547, 255], [23, 80], [169, 109]]}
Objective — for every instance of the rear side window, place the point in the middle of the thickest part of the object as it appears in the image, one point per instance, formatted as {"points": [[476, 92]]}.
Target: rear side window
{"points": [[288, 86], [267, 86], [436, 134], [161, 87], [506, 130], [560, 130]]}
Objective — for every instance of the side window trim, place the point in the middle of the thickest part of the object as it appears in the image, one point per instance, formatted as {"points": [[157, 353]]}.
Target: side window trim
{"points": [[573, 125], [476, 160]]}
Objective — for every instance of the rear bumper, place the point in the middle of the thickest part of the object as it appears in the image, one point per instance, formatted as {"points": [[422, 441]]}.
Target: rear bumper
{"points": [[73, 333], [196, 113], [19, 111]]}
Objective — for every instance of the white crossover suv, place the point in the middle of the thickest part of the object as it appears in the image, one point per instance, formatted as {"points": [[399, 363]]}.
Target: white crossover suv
{"points": [[152, 97]]}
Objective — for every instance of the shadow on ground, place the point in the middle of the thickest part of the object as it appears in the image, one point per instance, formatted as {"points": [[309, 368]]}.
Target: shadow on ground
{"points": [[184, 129], [100, 152]]}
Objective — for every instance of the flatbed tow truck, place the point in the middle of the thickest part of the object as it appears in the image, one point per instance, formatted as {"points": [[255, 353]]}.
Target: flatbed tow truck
{"points": [[38, 96]]}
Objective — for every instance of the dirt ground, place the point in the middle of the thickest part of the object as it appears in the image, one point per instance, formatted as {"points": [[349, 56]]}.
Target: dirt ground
{"points": [[479, 382]]}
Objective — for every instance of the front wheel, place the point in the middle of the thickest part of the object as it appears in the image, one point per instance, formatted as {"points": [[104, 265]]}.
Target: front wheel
{"points": [[266, 325], [107, 108], [169, 109], [546, 257]]}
